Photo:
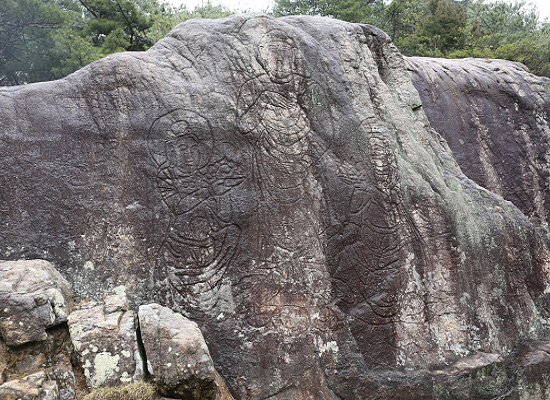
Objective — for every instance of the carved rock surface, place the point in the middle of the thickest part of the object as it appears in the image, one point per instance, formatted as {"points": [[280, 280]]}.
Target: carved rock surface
{"points": [[103, 334], [178, 360], [33, 297], [277, 181], [495, 116]]}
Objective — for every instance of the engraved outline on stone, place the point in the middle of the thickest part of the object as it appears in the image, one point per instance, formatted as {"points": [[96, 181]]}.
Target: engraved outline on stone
{"points": [[191, 177], [270, 110], [368, 243]]}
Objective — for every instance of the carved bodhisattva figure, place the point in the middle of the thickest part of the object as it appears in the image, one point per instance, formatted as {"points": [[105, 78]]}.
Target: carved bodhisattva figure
{"points": [[199, 242], [270, 109]]}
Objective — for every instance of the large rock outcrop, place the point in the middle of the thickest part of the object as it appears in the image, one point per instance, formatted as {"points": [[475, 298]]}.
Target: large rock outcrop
{"points": [[277, 181], [495, 116]]}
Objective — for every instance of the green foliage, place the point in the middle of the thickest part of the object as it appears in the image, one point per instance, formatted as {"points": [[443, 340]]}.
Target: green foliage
{"points": [[429, 28], [532, 49], [446, 28], [72, 51], [502, 17], [48, 39], [510, 31], [295, 7], [120, 24], [346, 10], [26, 28], [453, 29], [444, 25], [401, 18], [349, 10], [169, 17]]}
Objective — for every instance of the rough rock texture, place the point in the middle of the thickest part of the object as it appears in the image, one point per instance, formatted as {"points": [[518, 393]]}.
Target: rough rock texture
{"points": [[533, 371], [102, 348], [51, 356], [33, 297], [35, 301], [278, 182], [178, 360], [495, 116], [32, 387], [103, 334]]}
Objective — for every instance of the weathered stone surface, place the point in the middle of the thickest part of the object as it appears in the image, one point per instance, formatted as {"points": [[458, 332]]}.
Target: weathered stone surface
{"points": [[277, 181], [532, 371], [35, 300], [178, 360], [51, 356], [32, 387], [33, 297], [481, 376], [495, 116], [103, 334]]}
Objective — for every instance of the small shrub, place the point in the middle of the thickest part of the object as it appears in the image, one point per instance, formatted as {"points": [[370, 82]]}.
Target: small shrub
{"points": [[134, 391]]}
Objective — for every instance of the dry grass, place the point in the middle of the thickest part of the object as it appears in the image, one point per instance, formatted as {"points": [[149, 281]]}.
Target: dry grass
{"points": [[134, 391]]}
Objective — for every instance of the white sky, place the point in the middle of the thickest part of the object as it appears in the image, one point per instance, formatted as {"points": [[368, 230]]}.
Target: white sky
{"points": [[264, 5], [544, 8]]}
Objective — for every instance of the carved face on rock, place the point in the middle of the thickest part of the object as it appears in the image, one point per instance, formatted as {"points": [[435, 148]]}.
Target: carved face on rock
{"points": [[277, 55], [183, 149]]}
